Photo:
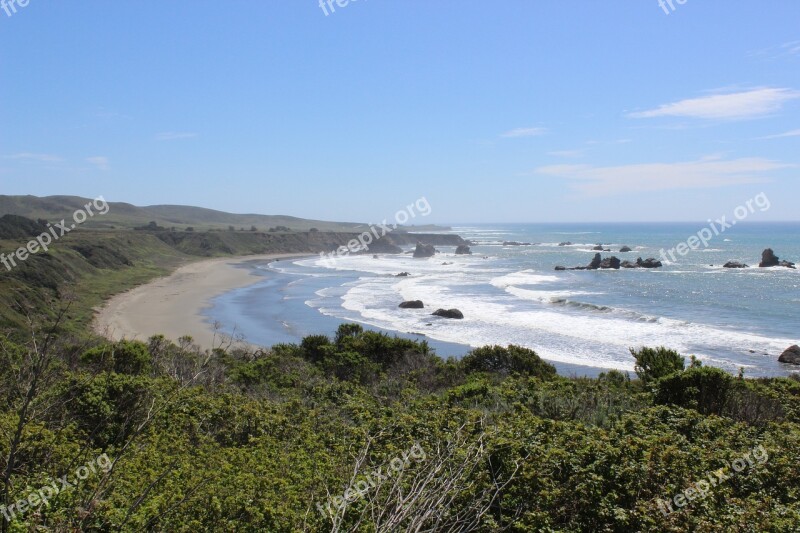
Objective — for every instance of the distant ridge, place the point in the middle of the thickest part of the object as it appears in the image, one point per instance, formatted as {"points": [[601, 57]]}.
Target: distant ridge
{"points": [[126, 215]]}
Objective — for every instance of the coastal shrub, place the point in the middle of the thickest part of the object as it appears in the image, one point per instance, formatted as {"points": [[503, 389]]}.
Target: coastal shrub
{"points": [[12, 360], [754, 404], [591, 401], [469, 393], [123, 357], [316, 347], [346, 331], [107, 408], [615, 378], [349, 366], [275, 372], [510, 360], [704, 389], [656, 363], [379, 348], [351, 358]]}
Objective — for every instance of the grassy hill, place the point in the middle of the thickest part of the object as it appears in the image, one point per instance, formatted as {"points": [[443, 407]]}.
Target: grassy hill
{"points": [[93, 264], [125, 215]]}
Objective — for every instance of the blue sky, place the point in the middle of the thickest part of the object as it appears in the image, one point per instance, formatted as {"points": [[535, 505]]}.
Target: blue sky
{"points": [[511, 111]]}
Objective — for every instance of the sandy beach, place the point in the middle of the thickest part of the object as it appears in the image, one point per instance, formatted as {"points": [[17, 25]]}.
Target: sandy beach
{"points": [[173, 305]]}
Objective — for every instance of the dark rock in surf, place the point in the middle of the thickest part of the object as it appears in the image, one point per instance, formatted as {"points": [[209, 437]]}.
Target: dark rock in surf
{"points": [[610, 262], [449, 313], [769, 259], [424, 250], [463, 250], [734, 264], [412, 304], [791, 355], [648, 263]]}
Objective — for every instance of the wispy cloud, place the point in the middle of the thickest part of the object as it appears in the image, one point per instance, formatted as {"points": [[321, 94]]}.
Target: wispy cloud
{"points": [[29, 156], [792, 48], [174, 135], [793, 133], [99, 161], [705, 173], [567, 153], [741, 105], [525, 132]]}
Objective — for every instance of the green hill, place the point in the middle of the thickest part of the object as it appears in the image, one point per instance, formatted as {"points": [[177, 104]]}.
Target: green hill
{"points": [[178, 216]]}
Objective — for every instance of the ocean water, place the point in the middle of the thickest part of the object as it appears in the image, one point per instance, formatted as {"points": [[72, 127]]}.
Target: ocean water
{"points": [[583, 321]]}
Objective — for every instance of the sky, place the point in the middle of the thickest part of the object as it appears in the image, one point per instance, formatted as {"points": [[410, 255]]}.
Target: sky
{"points": [[506, 111]]}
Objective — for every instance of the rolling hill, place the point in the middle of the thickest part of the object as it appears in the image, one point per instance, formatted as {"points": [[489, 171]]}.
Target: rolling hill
{"points": [[124, 215]]}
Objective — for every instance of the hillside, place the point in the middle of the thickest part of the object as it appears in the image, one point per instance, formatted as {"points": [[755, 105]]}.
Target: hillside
{"points": [[178, 216], [92, 265]]}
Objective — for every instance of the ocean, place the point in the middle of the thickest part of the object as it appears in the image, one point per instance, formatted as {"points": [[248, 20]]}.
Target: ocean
{"points": [[582, 321]]}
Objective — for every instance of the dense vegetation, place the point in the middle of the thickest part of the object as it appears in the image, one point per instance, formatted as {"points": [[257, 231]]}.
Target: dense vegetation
{"points": [[361, 431]]}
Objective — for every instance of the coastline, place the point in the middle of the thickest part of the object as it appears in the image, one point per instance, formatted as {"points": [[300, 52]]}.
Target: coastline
{"points": [[173, 305]]}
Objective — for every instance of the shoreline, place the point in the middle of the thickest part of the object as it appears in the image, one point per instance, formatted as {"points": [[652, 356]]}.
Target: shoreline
{"points": [[173, 305]]}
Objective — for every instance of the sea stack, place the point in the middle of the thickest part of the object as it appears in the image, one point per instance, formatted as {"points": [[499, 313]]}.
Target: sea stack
{"points": [[769, 259], [424, 250]]}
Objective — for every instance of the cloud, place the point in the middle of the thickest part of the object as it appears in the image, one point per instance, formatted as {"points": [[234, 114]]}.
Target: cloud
{"points": [[28, 156], [792, 48], [793, 133], [99, 161], [748, 104], [567, 153], [174, 135], [525, 132], [709, 172]]}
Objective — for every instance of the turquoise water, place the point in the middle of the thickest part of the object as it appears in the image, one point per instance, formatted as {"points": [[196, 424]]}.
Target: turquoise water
{"points": [[581, 320]]}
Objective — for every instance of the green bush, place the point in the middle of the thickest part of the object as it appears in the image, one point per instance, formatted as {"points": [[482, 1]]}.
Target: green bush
{"points": [[704, 389], [656, 363], [123, 357], [504, 361]]}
